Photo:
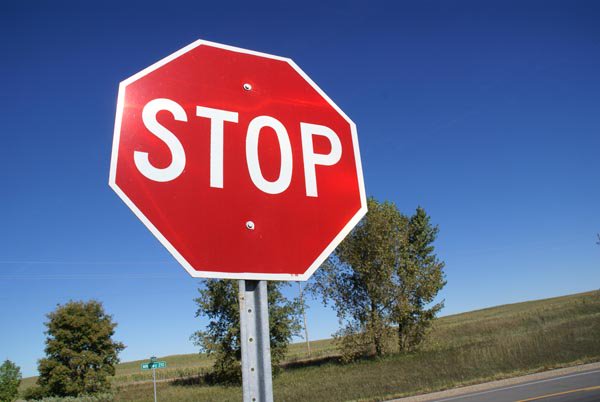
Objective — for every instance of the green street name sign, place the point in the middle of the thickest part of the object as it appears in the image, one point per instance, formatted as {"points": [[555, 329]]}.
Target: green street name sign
{"points": [[155, 365]]}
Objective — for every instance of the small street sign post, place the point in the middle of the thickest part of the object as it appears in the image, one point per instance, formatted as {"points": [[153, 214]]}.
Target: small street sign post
{"points": [[304, 319], [153, 365], [243, 168]]}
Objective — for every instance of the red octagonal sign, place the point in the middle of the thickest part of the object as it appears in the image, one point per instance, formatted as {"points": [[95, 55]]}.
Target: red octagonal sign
{"points": [[237, 162]]}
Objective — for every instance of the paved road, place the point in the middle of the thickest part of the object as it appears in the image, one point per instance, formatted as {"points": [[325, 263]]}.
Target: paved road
{"points": [[583, 386]]}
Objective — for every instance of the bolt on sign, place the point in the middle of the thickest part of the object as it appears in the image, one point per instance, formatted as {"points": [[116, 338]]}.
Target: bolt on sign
{"points": [[238, 163]]}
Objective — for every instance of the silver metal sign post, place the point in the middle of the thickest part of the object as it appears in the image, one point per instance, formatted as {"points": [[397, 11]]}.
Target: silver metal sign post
{"points": [[257, 383], [154, 380]]}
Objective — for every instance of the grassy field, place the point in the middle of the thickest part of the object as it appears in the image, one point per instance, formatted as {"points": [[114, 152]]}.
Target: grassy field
{"points": [[462, 349]]}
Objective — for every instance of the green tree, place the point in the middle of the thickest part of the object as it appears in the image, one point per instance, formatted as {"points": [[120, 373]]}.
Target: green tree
{"points": [[10, 379], [357, 279], [383, 275], [218, 301], [80, 352], [419, 277]]}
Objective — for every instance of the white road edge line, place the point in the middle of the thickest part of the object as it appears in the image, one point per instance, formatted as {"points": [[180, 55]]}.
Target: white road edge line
{"points": [[514, 386]]}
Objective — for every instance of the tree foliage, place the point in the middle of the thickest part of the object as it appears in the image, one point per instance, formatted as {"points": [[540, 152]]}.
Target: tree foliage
{"points": [[218, 301], [356, 279], [80, 352], [34, 393], [419, 278], [10, 379], [383, 275]]}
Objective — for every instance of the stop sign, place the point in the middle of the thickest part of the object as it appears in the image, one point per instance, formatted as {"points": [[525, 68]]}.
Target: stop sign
{"points": [[237, 162]]}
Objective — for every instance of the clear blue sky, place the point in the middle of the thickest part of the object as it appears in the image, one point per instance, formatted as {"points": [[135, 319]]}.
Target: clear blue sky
{"points": [[487, 114]]}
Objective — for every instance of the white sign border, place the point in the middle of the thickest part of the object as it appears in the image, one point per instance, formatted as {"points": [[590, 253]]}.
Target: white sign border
{"points": [[238, 275]]}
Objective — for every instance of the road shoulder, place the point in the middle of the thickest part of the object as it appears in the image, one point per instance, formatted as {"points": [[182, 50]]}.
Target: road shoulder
{"points": [[499, 383]]}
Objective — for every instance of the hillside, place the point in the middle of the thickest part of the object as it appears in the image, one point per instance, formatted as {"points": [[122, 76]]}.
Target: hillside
{"points": [[466, 348]]}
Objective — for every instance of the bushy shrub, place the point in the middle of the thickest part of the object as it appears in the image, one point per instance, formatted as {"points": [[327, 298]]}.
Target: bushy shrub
{"points": [[105, 397]]}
